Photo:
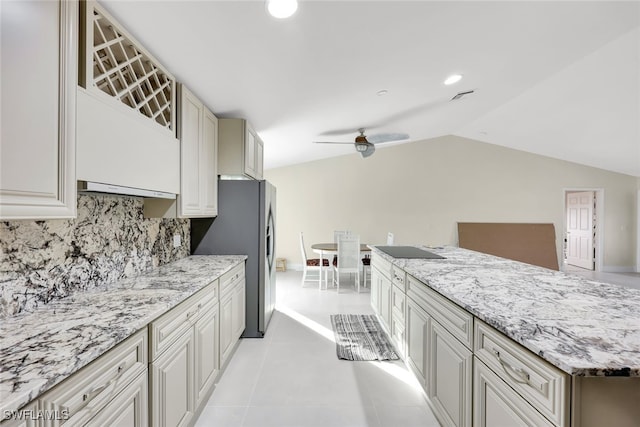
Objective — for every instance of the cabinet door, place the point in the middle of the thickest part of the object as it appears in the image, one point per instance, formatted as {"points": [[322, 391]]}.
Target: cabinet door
{"points": [[127, 409], [226, 327], [191, 115], [38, 79], [448, 382], [250, 152], [375, 290], [495, 404], [172, 383], [209, 164], [416, 334], [238, 318], [207, 363], [385, 301], [259, 158]]}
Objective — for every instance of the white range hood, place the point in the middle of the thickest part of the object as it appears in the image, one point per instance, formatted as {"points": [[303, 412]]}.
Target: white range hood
{"points": [[97, 187]]}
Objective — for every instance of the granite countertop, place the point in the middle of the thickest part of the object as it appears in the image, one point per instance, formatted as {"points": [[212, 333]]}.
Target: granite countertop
{"points": [[40, 349], [584, 327]]}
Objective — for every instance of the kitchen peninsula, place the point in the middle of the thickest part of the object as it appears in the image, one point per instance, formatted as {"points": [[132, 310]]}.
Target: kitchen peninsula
{"points": [[498, 341]]}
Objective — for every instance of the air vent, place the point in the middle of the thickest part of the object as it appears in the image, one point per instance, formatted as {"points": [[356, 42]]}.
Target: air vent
{"points": [[461, 94]]}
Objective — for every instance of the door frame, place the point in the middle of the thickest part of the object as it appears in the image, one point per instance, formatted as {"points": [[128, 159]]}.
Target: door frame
{"points": [[599, 229]]}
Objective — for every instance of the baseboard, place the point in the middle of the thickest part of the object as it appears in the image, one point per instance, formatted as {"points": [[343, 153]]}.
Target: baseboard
{"points": [[617, 269], [294, 267]]}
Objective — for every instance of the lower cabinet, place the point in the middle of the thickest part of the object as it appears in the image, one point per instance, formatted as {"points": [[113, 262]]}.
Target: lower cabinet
{"points": [[381, 301], [128, 409], [112, 390], [232, 317], [418, 323], [172, 379], [206, 343], [185, 359], [449, 376], [496, 404]]}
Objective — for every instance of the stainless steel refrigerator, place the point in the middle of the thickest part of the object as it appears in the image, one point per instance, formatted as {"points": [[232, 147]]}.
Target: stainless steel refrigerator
{"points": [[245, 225]]}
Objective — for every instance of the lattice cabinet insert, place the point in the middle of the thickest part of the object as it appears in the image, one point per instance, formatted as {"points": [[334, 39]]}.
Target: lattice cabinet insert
{"points": [[116, 65]]}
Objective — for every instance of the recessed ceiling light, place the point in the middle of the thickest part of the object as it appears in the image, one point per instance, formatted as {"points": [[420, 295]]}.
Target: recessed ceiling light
{"points": [[454, 78], [282, 8], [382, 92]]}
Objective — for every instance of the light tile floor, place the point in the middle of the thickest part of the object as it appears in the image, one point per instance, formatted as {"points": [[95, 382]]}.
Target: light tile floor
{"points": [[292, 377], [630, 280]]}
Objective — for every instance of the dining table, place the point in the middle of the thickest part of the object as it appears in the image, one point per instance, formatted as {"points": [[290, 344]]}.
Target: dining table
{"points": [[331, 249]]}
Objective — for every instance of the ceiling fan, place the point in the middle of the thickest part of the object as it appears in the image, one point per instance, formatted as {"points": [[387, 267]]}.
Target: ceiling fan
{"points": [[365, 145]]}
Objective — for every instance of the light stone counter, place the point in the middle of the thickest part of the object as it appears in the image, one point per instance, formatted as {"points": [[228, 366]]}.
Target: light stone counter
{"points": [[40, 349], [584, 327]]}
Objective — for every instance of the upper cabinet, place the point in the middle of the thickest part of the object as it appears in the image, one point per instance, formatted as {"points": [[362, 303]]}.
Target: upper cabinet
{"points": [[38, 84], [198, 158], [241, 150], [126, 121]]}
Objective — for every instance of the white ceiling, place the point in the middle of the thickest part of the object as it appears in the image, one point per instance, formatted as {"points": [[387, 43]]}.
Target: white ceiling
{"points": [[561, 79]]}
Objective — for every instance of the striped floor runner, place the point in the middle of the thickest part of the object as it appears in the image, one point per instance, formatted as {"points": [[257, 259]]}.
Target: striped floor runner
{"points": [[360, 337]]}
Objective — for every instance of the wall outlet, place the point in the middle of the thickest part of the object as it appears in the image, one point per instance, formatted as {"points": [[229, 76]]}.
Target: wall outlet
{"points": [[177, 241]]}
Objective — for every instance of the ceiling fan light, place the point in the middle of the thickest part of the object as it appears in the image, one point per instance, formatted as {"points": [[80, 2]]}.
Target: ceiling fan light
{"points": [[361, 147], [282, 9], [454, 78]]}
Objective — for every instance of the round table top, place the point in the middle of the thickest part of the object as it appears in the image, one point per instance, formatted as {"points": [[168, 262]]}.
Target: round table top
{"points": [[333, 247]]}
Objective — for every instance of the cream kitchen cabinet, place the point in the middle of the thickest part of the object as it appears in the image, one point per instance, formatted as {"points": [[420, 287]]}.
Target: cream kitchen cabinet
{"points": [[232, 311], [449, 377], [417, 330], [241, 151], [198, 158], [111, 389], [381, 291], [39, 60], [497, 404], [184, 358]]}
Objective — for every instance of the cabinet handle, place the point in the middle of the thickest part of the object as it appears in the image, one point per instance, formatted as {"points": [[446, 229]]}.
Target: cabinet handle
{"points": [[521, 375], [191, 313], [91, 394]]}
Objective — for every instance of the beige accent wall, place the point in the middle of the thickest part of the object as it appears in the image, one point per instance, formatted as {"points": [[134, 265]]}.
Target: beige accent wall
{"points": [[420, 190]]}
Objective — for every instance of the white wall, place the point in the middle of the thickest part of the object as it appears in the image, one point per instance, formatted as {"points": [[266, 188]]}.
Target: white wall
{"points": [[419, 191]]}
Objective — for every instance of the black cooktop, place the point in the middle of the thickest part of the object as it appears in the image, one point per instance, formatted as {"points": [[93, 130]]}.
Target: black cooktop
{"points": [[408, 252]]}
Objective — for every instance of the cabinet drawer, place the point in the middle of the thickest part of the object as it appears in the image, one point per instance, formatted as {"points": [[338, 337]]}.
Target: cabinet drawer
{"points": [[541, 384], [456, 320], [167, 328], [398, 303], [229, 279], [398, 277], [382, 265], [497, 404], [86, 392]]}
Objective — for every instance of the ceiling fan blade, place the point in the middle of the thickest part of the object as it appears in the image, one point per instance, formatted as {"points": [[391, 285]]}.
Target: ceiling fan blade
{"points": [[386, 137], [332, 142], [369, 151]]}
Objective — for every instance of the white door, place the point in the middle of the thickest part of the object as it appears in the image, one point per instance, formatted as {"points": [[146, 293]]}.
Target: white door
{"points": [[580, 229]]}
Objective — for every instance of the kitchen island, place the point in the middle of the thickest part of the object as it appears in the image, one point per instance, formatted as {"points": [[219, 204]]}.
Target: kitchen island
{"points": [[568, 347], [41, 349]]}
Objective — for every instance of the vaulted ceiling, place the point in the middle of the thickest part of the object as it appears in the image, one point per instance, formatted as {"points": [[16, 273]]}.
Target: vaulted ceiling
{"points": [[560, 79]]}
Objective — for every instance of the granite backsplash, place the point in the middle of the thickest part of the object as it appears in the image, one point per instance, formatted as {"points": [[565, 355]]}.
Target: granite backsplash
{"points": [[110, 239]]}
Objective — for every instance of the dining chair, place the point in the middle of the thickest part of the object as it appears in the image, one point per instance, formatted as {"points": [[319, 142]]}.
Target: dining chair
{"points": [[366, 269], [311, 265], [339, 233], [348, 259], [390, 239]]}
